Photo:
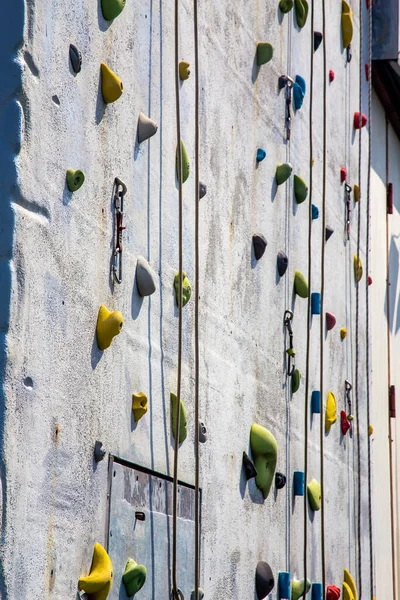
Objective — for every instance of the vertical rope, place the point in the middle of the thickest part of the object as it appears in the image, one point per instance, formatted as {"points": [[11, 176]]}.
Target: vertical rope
{"points": [[175, 593], [196, 307], [321, 432]]}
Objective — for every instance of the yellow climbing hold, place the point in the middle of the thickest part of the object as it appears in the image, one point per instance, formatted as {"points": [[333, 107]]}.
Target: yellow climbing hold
{"points": [[358, 268], [351, 583], [98, 583], [109, 324], [111, 85], [347, 24], [347, 594], [356, 193], [330, 411], [184, 70], [370, 430], [139, 405], [343, 333]]}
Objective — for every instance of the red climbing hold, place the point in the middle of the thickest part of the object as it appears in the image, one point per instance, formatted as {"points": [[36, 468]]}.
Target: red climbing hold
{"points": [[331, 75], [369, 280], [367, 72], [344, 423], [330, 321], [343, 174], [369, 3], [332, 593], [360, 120]]}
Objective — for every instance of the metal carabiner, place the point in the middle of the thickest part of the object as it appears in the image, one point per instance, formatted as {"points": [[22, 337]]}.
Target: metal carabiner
{"points": [[177, 594], [120, 191], [348, 204], [349, 54], [350, 417], [287, 82], [291, 352]]}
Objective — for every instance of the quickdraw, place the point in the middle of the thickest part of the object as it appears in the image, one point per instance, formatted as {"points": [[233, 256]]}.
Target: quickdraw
{"points": [[120, 191], [287, 82], [291, 352], [350, 417], [348, 204]]}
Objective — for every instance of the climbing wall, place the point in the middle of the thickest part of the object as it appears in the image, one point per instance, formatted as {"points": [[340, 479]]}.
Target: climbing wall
{"points": [[62, 393]]}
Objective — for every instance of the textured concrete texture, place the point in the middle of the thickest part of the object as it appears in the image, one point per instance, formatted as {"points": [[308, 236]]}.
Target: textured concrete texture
{"points": [[62, 393]]}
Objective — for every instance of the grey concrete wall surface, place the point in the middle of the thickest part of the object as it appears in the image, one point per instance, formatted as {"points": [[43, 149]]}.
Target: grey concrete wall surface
{"points": [[62, 393]]}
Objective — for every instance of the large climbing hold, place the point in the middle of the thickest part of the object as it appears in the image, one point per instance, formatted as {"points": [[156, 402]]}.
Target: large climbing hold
{"points": [[265, 451], [286, 6], [145, 277], [314, 494], [186, 289], [330, 411], [182, 419], [299, 91], [112, 8], [111, 85], [300, 189], [358, 268], [283, 172], [139, 405], [317, 39], [134, 577], [344, 422], [184, 163], [349, 581], [330, 321], [315, 303], [259, 245], [301, 12], [316, 402], [300, 285], [75, 57], [284, 585], [109, 324], [264, 580], [300, 588], [298, 483], [332, 592], [184, 70], [347, 24], [296, 378], [146, 128], [265, 52], [360, 120], [74, 179], [99, 582], [282, 262], [249, 468]]}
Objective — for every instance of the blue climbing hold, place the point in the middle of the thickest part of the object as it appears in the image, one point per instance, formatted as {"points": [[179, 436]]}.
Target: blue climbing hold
{"points": [[315, 303], [284, 585], [314, 211], [316, 591], [261, 154], [299, 91], [298, 483], [316, 402]]}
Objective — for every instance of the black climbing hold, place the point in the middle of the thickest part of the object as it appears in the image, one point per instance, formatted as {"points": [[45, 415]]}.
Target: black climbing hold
{"points": [[75, 57], [280, 480], [202, 432], [264, 580], [317, 39], [249, 467], [328, 232], [259, 244], [202, 189], [99, 453], [282, 263]]}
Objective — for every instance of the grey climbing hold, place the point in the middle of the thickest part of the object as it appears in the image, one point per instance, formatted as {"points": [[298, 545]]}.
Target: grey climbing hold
{"points": [[145, 277], [317, 39], [283, 172], [280, 480], [202, 432], [249, 467], [282, 263], [146, 128], [259, 245], [202, 190], [75, 57], [264, 580], [99, 453], [328, 232]]}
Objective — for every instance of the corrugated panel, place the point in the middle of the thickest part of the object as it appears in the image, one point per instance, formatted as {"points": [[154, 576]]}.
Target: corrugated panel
{"points": [[149, 542], [385, 29]]}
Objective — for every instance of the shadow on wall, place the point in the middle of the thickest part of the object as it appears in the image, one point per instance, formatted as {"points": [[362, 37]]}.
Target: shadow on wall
{"points": [[11, 39], [394, 309]]}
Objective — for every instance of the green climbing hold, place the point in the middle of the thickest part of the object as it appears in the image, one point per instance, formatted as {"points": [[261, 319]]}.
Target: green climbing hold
{"points": [[265, 452], [185, 163], [182, 419], [300, 189], [112, 8], [75, 179], [296, 377], [314, 494], [300, 588], [301, 12], [134, 577], [186, 288], [286, 6], [300, 285], [265, 52], [283, 172]]}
